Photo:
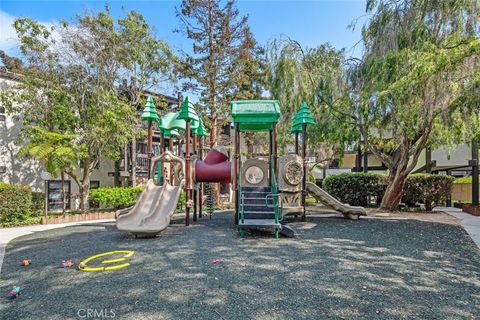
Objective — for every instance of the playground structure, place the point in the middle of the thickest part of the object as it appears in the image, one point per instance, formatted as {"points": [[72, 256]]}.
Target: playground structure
{"points": [[266, 188]]}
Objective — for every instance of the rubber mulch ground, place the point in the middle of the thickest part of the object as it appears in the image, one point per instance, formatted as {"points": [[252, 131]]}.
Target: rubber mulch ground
{"points": [[333, 269]]}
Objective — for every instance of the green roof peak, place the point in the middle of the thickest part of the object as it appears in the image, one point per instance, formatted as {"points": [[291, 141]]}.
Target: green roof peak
{"points": [[187, 112], [303, 116], [150, 112], [201, 130]]}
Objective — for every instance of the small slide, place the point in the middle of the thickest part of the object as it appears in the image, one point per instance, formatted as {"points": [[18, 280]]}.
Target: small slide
{"points": [[321, 195], [153, 210]]}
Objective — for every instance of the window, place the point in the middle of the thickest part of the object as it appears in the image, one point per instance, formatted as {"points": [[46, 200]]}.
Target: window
{"points": [[55, 195], [142, 148]]}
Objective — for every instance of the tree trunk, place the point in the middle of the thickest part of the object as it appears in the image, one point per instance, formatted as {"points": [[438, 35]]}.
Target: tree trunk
{"points": [[84, 189], [394, 192], [396, 179], [84, 186]]}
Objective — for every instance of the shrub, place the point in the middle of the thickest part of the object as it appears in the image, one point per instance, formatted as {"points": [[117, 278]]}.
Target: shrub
{"points": [[356, 188], [430, 189], [15, 202], [116, 197], [182, 200], [38, 202], [463, 180]]}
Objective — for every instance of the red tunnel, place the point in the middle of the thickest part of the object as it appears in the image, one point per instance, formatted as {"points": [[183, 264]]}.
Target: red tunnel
{"points": [[215, 168]]}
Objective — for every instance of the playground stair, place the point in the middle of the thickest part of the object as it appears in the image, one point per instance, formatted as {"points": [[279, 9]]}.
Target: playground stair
{"points": [[256, 204]]}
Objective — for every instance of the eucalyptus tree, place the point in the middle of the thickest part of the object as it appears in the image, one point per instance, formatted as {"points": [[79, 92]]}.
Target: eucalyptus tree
{"points": [[71, 83]]}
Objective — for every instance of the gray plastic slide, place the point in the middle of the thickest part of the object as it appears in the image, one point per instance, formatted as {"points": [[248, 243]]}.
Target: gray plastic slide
{"points": [[325, 198], [153, 210]]}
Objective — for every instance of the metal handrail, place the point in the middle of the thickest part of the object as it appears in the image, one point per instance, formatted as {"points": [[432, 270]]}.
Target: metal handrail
{"points": [[274, 193]]}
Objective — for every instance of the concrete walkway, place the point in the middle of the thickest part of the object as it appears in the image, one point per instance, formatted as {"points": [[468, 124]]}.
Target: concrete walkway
{"points": [[8, 234], [469, 222]]}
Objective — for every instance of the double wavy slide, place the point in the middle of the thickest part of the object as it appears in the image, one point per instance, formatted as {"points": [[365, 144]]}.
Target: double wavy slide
{"points": [[152, 212]]}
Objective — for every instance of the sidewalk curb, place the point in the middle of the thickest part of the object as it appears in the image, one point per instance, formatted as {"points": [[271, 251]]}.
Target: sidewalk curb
{"points": [[469, 222]]}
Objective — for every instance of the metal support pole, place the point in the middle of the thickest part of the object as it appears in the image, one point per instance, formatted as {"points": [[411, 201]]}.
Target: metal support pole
{"points": [[305, 162], [187, 173], [296, 142], [270, 153], [170, 147], [475, 171], [449, 198], [358, 159], [194, 190], [365, 161], [160, 164], [274, 147], [149, 147], [236, 170], [200, 190]]}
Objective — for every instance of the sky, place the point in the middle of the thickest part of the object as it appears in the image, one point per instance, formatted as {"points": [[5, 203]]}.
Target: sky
{"points": [[310, 22]]}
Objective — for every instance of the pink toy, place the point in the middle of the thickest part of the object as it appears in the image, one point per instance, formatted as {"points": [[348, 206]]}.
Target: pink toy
{"points": [[67, 264]]}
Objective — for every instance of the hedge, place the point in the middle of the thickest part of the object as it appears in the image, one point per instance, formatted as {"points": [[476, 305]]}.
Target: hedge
{"points": [[15, 203], [116, 197], [430, 189], [463, 180], [38, 202], [356, 188]]}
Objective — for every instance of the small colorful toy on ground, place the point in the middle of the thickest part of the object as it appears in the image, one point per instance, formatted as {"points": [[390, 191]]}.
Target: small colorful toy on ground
{"points": [[14, 293], [26, 262], [67, 264]]}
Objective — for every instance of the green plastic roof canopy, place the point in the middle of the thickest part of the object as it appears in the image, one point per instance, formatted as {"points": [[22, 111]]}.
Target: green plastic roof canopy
{"points": [[303, 116], [187, 112], [167, 122], [171, 133], [255, 115], [150, 112]]}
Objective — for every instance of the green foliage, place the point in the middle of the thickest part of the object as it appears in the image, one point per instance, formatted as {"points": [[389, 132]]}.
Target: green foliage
{"points": [[81, 114], [355, 188], [38, 202], [313, 75], [463, 180], [116, 197], [430, 189], [212, 70], [15, 202], [24, 221], [58, 152], [181, 202]]}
